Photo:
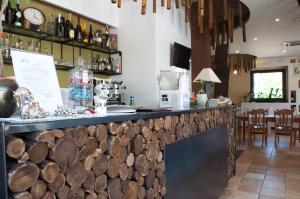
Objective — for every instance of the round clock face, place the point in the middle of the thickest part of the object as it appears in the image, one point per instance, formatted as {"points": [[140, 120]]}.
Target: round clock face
{"points": [[34, 16]]}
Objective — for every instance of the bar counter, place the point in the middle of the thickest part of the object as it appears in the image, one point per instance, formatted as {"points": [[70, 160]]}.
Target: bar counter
{"points": [[118, 155]]}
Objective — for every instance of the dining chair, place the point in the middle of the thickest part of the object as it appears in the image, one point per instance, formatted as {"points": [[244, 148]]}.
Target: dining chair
{"points": [[258, 125], [284, 121]]}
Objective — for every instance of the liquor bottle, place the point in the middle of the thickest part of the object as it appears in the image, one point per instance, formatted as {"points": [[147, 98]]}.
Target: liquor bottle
{"points": [[91, 36], [84, 34], [18, 14], [78, 32], [9, 15], [69, 30], [58, 26]]}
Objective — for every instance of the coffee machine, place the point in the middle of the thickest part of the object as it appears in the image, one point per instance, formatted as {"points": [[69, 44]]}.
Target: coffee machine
{"points": [[115, 90]]}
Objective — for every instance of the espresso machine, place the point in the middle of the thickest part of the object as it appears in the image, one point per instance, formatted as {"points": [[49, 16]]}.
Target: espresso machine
{"points": [[114, 89]]}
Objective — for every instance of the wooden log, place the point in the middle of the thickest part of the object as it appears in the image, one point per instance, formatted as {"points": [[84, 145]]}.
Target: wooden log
{"points": [[100, 183], [91, 130], [102, 195], [89, 148], [156, 187], [151, 150], [147, 133], [101, 132], [154, 6], [89, 162], [150, 124], [49, 171], [130, 173], [140, 162], [57, 184], [139, 178], [46, 137], [64, 192], [153, 165], [76, 175], [163, 191], [89, 183], [38, 152], [76, 194], [168, 122], [91, 196], [177, 3], [142, 192], [130, 190], [125, 140], [130, 132], [114, 146], [159, 123], [113, 167], [65, 152], [159, 157], [138, 144], [38, 190], [103, 146], [150, 194], [100, 165], [149, 181], [23, 195], [112, 128], [123, 154], [80, 135], [129, 123], [123, 171], [169, 4], [130, 160], [57, 133], [15, 147], [23, 177], [114, 188], [49, 195]]}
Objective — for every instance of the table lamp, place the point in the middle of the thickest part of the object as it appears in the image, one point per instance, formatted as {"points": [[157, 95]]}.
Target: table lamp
{"points": [[206, 75]]}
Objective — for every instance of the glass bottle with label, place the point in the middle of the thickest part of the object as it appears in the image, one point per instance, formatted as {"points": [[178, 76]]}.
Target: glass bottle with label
{"points": [[18, 15], [9, 15]]}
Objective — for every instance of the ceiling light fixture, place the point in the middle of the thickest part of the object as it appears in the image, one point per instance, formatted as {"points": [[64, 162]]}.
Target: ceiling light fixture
{"points": [[255, 38], [277, 19], [284, 51], [235, 72], [237, 51]]}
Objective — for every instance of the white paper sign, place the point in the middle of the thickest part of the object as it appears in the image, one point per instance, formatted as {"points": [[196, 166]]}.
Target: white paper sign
{"points": [[37, 73]]}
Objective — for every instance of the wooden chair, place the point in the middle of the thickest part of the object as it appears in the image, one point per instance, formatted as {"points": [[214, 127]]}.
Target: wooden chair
{"points": [[258, 125], [284, 120]]}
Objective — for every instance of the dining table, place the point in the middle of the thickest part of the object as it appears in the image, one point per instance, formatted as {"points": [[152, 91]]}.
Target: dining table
{"points": [[242, 120]]}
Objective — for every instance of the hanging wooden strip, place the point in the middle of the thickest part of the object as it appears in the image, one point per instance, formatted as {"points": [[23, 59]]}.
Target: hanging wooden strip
{"points": [[154, 6], [231, 24], [163, 3], [135, 0], [186, 12], [200, 16], [168, 4], [144, 6], [202, 7], [225, 10], [177, 3], [242, 24], [114, 1], [210, 14], [119, 3]]}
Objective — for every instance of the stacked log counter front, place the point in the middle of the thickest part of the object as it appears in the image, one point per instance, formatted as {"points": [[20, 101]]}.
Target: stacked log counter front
{"points": [[117, 157]]}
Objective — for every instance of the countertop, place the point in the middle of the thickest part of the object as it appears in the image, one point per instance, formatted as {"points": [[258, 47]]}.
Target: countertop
{"points": [[16, 125]]}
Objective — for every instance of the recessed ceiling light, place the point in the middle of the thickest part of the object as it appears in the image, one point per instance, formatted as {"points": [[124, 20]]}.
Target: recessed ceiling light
{"points": [[284, 51], [235, 72], [277, 19], [237, 51], [255, 38]]}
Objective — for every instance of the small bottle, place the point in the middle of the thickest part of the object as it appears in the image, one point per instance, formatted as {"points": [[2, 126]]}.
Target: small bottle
{"points": [[91, 36], [71, 28], [58, 28], [131, 102]]}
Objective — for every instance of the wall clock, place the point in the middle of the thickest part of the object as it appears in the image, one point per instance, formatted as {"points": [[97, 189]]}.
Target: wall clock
{"points": [[33, 18]]}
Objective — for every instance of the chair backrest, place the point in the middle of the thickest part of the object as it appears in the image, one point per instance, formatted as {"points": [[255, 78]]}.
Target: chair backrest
{"points": [[284, 118], [257, 117]]}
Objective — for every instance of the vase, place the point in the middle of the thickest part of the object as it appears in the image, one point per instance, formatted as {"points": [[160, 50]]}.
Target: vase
{"points": [[7, 101], [201, 100]]}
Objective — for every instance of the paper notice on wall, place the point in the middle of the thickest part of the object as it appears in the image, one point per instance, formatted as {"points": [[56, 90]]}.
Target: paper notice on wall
{"points": [[37, 73]]}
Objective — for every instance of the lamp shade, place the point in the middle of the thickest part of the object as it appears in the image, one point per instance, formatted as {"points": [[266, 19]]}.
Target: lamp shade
{"points": [[208, 75]]}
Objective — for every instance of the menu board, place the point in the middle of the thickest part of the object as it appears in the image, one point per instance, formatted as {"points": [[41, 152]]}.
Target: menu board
{"points": [[37, 73]]}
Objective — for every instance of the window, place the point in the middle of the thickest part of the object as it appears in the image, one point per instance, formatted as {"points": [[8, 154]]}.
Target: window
{"points": [[268, 86]]}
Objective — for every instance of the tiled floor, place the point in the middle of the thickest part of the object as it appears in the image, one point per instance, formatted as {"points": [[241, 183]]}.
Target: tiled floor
{"points": [[266, 172]]}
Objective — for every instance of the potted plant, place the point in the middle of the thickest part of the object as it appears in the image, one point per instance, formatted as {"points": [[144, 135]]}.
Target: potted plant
{"points": [[201, 96]]}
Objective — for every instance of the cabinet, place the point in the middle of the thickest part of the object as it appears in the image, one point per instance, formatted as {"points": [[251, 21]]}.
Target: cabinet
{"points": [[44, 36]]}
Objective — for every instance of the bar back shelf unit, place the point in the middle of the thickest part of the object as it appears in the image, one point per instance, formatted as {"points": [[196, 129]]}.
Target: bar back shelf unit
{"points": [[44, 36]]}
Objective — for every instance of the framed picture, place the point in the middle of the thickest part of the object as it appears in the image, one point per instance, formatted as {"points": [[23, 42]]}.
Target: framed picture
{"points": [[296, 69], [116, 60], [113, 41]]}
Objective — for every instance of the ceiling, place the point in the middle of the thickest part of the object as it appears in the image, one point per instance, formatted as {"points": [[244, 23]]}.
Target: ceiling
{"points": [[270, 35]]}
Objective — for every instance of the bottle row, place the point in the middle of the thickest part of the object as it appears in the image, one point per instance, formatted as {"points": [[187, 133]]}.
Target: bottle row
{"points": [[60, 26]]}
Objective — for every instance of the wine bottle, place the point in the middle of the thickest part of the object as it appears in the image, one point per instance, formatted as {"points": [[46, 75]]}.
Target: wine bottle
{"points": [[3, 14], [9, 14], [84, 34], [18, 14], [67, 29], [78, 32], [71, 28], [58, 26], [91, 36]]}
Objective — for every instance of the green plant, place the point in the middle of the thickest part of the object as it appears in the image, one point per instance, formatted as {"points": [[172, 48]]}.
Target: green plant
{"points": [[202, 85]]}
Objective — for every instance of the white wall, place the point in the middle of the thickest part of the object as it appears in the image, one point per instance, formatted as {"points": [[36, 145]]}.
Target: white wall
{"points": [[145, 42], [276, 62], [100, 10]]}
